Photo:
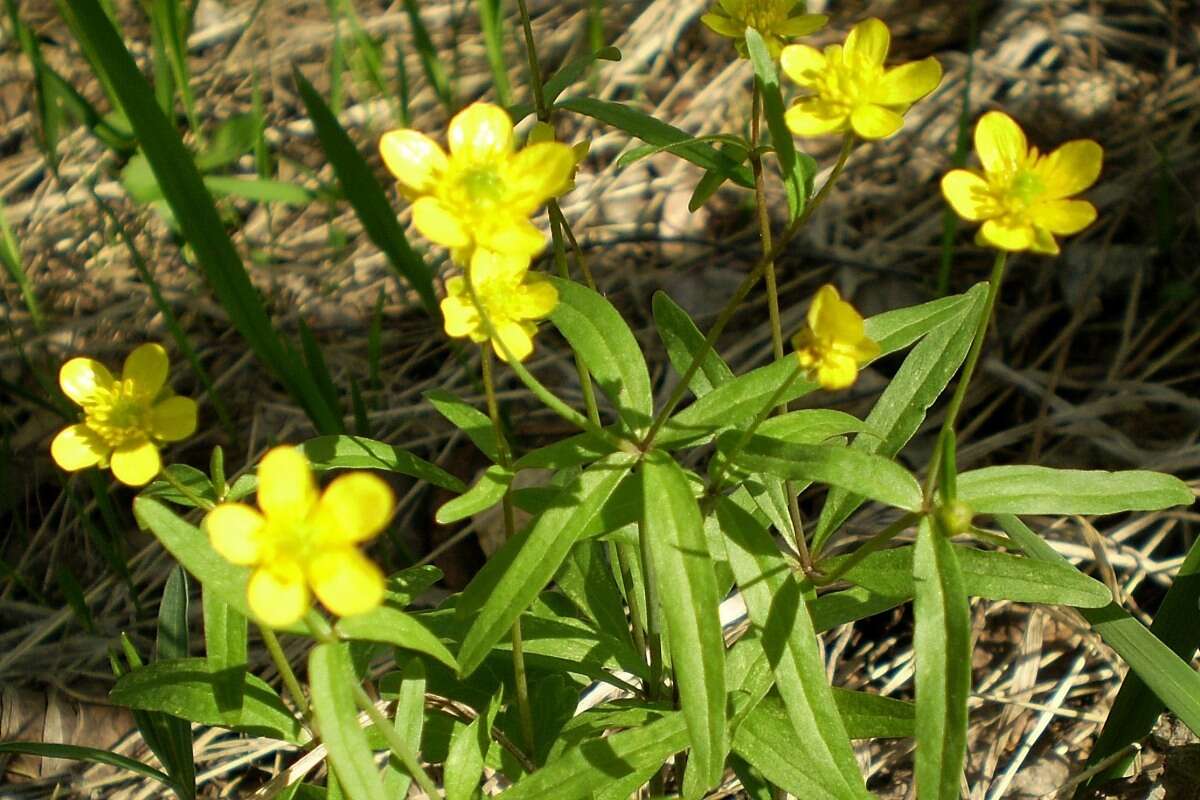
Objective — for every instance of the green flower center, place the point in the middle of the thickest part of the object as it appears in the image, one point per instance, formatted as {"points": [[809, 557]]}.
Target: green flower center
{"points": [[120, 416], [765, 15], [478, 189], [502, 301], [289, 540], [1026, 186], [847, 85]]}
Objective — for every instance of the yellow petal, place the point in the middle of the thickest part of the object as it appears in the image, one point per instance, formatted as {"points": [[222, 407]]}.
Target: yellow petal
{"points": [[1063, 217], [286, 490], [536, 174], [146, 368], [346, 581], [801, 25], [77, 447], [235, 530], [969, 195], [82, 378], [355, 507], [277, 594], [458, 312], [722, 25], [837, 372], [514, 235], [488, 266], [875, 122], [136, 464], [864, 350], [908, 83], [1000, 142], [867, 43], [803, 64], [831, 317], [481, 133], [1071, 168], [1044, 243], [437, 224], [538, 298], [517, 337], [814, 117], [173, 419], [413, 158], [1007, 234]]}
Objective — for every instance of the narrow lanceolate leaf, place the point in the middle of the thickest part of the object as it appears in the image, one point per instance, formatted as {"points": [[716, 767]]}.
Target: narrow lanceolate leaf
{"points": [[488, 491], [332, 678], [408, 721], [1042, 490], [356, 452], [193, 209], [173, 643], [897, 329], [777, 608], [366, 196], [608, 348], [225, 650], [658, 133], [395, 627], [184, 688], [918, 383], [684, 342], [89, 754], [864, 474], [530, 561], [797, 169], [468, 747], [942, 642], [468, 419], [687, 588], [1171, 678]]}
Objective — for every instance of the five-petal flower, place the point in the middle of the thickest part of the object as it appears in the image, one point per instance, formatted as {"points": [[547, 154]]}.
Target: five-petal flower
{"points": [[299, 538], [510, 296], [833, 345], [848, 88], [777, 21], [484, 191], [1023, 198], [125, 420]]}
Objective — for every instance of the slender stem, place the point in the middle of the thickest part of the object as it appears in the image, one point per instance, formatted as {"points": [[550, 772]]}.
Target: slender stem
{"points": [[290, 684], [505, 454], [653, 634], [870, 546], [560, 260], [729, 456], [182, 488], [396, 743], [764, 220], [960, 391], [580, 256], [617, 553], [535, 68], [742, 290]]}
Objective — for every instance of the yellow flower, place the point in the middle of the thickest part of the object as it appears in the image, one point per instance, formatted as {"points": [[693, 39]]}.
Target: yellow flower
{"points": [[1023, 197], [511, 297], [544, 132], [833, 345], [298, 539], [848, 87], [484, 191], [125, 420], [777, 21]]}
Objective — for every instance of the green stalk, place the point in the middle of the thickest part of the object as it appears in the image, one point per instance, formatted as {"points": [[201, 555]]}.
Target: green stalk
{"points": [[396, 744], [290, 684], [535, 68]]}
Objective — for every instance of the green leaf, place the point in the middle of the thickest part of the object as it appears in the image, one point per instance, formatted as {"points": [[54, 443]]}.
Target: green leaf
{"points": [[488, 491], [1171, 678], [185, 688], [901, 408], [603, 341], [173, 643], [332, 679], [395, 627], [894, 330], [355, 452], [850, 605], [871, 716], [862, 473], [658, 133], [468, 419], [409, 720], [225, 650], [491, 25], [587, 579], [366, 196], [574, 70], [712, 180], [190, 547], [233, 139], [942, 642], [193, 479], [687, 590], [90, 754], [497, 598], [776, 606], [684, 342], [258, 190], [430, 61], [1042, 490], [995, 576], [797, 170], [194, 210], [582, 448], [465, 759]]}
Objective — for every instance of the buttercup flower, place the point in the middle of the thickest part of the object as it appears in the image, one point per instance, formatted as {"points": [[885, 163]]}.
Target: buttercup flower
{"points": [[777, 21], [298, 539], [125, 420], [848, 87], [511, 297], [484, 191], [1023, 198], [833, 345], [544, 132]]}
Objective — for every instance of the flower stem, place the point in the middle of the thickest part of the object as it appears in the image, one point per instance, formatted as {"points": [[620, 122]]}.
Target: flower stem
{"points": [[535, 68], [960, 391], [505, 454], [290, 684], [557, 223], [764, 221], [399, 747]]}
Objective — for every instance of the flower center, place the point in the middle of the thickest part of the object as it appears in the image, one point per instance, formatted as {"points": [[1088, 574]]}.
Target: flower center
{"points": [[765, 15], [1026, 186], [119, 415], [289, 540], [847, 84], [478, 189], [501, 300]]}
